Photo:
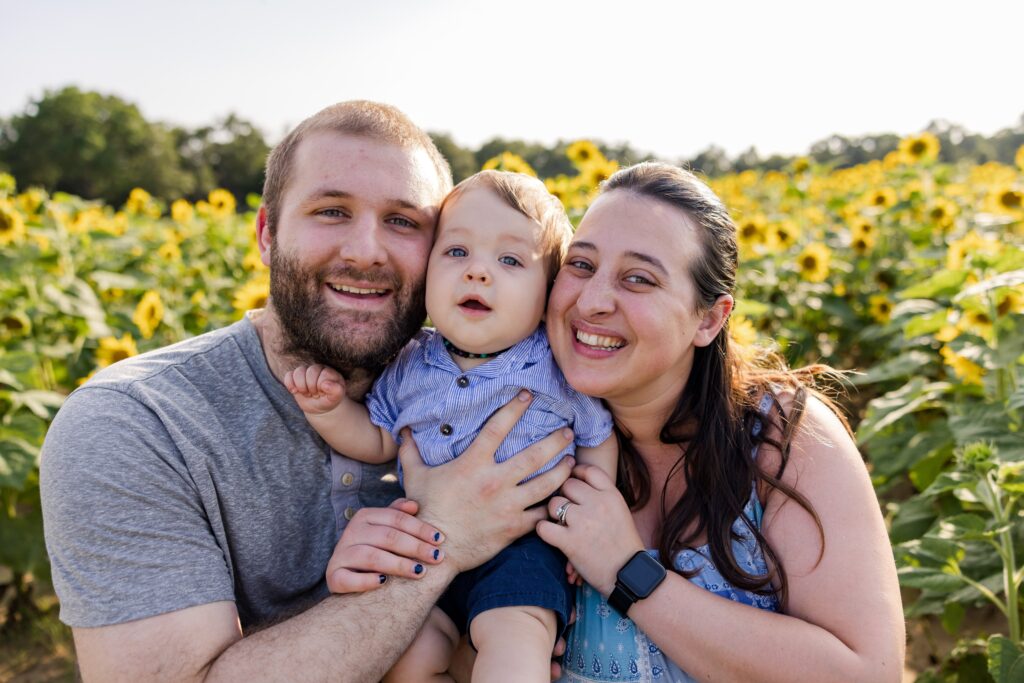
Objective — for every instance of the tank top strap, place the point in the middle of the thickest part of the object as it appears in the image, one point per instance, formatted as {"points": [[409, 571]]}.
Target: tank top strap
{"points": [[763, 409]]}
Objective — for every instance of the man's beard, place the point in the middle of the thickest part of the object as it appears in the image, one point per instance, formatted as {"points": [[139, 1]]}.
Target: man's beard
{"points": [[316, 332]]}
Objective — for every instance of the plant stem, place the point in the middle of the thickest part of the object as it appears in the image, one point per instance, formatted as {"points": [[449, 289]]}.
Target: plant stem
{"points": [[1009, 559]]}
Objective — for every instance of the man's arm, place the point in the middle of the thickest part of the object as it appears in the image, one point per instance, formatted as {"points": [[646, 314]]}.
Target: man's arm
{"points": [[355, 637]]}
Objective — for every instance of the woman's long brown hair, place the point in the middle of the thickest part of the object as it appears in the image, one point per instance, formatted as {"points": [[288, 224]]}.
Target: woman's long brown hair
{"points": [[714, 417]]}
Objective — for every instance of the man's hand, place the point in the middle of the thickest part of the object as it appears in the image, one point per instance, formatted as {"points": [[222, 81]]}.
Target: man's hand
{"points": [[382, 542], [317, 389], [477, 502]]}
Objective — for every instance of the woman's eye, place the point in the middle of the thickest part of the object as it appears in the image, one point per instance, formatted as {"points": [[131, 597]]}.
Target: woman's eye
{"points": [[510, 261], [457, 252], [638, 280], [581, 265]]}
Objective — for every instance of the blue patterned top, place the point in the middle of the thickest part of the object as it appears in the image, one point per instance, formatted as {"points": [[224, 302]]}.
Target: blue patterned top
{"points": [[605, 646], [425, 390]]}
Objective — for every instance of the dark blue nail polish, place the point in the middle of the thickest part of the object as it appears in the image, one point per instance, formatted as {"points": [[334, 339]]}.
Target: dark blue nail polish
{"points": [[437, 553], [437, 536], [418, 569], [383, 578]]}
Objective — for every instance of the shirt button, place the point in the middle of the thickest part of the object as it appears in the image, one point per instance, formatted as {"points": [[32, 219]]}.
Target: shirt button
{"points": [[463, 381], [349, 513], [446, 429], [347, 479]]}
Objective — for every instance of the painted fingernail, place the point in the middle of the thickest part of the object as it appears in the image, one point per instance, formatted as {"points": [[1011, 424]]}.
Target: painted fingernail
{"points": [[383, 579], [525, 395], [418, 569], [437, 536], [437, 553]]}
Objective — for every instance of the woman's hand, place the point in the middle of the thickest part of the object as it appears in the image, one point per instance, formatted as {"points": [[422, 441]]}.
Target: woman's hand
{"points": [[599, 535], [382, 542]]}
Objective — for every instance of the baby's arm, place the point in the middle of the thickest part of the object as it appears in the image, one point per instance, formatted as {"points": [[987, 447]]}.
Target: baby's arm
{"points": [[605, 455], [343, 423]]}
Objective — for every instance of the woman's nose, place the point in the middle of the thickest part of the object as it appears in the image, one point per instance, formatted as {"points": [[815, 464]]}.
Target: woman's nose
{"points": [[596, 297]]}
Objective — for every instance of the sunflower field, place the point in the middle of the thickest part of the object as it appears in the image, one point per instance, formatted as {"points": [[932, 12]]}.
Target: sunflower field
{"points": [[908, 272]]}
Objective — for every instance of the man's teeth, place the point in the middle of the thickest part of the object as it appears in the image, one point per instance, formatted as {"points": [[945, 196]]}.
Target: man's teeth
{"points": [[355, 290], [606, 343]]}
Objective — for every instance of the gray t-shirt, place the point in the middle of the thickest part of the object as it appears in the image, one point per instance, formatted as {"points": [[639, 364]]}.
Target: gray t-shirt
{"points": [[188, 475]]}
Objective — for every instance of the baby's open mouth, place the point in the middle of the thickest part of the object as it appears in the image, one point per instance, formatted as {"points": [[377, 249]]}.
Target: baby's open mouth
{"points": [[474, 304]]}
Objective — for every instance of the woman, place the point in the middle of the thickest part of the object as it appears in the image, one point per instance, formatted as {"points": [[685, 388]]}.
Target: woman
{"points": [[746, 483]]}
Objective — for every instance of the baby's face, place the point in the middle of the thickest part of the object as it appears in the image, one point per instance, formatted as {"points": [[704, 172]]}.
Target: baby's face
{"points": [[486, 283]]}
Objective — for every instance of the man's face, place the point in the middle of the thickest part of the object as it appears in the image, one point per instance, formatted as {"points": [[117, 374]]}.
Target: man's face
{"points": [[349, 251]]}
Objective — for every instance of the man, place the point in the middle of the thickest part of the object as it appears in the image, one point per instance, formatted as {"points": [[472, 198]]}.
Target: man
{"points": [[190, 511]]}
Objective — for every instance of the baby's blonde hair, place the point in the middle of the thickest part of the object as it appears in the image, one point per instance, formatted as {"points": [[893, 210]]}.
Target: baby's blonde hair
{"points": [[530, 197]]}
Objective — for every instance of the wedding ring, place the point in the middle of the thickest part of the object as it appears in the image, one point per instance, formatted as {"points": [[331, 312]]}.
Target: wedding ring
{"points": [[560, 512]]}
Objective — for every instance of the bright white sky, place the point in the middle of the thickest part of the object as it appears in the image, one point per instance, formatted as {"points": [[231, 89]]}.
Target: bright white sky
{"points": [[667, 77]]}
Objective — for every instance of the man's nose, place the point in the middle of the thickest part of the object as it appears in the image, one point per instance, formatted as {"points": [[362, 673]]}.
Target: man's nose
{"points": [[362, 245]]}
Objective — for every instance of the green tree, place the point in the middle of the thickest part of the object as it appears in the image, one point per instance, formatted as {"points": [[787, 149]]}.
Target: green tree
{"points": [[231, 154], [461, 160], [92, 145]]}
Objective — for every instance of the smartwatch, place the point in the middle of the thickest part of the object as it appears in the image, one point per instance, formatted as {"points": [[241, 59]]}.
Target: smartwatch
{"points": [[635, 581]]}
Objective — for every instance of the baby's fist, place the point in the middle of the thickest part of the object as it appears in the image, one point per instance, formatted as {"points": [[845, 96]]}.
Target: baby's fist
{"points": [[316, 388]]}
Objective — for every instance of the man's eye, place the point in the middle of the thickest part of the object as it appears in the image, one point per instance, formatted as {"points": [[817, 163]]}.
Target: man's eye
{"points": [[402, 221], [510, 261], [457, 252], [331, 213]]}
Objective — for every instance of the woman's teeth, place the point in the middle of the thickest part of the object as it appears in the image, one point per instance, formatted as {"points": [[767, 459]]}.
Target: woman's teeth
{"points": [[355, 290], [599, 342]]}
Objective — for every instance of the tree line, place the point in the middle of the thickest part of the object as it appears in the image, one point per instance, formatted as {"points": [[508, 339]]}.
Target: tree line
{"points": [[100, 146]]}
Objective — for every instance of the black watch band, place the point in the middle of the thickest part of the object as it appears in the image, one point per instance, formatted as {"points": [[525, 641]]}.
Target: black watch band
{"points": [[635, 581]]}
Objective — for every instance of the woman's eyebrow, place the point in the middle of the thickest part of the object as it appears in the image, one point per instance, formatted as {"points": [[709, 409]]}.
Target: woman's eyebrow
{"points": [[646, 258]]}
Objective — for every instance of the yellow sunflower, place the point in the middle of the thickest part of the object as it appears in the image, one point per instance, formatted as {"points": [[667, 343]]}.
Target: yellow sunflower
{"points": [[507, 161], [31, 200], [977, 321], [181, 211], [813, 262], [148, 314], [1019, 158], [800, 165], [597, 172], [140, 202], [751, 230], [782, 235], [112, 349], [942, 212], [222, 202], [881, 198], [967, 370], [12, 225], [7, 184], [880, 308], [252, 294], [918, 148], [1006, 200], [584, 152], [169, 251], [15, 324], [969, 245], [1010, 301]]}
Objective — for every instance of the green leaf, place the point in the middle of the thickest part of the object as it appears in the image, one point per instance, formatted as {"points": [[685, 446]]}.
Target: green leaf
{"points": [[1010, 279], [10, 380], [751, 309], [18, 458], [106, 280], [1004, 660], [929, 323], [965, 527], [942, 283], [37, 401], [903, 365], [925, 471], [1016, 400], [952, 616], [928, 579], [917, 394], [912, 519]]}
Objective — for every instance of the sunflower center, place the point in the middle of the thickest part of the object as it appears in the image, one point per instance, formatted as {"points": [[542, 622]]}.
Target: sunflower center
{"points": [[809, 262], [918, 148], [1011, 199]]}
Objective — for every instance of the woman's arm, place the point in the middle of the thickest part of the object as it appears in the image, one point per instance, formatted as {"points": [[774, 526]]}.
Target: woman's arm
{"points": [[843, 620]]}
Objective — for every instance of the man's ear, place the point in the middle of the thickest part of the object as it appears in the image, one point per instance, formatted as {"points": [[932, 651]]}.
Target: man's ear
{"points": [[263, 238], [713, 320]]}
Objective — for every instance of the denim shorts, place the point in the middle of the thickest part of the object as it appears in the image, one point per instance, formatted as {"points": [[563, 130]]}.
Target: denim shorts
{"points": [[527, 572]]}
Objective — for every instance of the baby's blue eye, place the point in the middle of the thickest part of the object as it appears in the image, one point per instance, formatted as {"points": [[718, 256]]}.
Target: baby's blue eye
{"points": [[510, 261], [457, 252]]}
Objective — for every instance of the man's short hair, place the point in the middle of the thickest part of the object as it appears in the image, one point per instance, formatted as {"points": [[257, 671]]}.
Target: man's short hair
{"points": [[359, 118], [530, 197]]}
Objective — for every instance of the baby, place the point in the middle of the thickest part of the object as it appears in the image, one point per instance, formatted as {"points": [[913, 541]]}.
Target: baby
{"points": [[500, 242]]}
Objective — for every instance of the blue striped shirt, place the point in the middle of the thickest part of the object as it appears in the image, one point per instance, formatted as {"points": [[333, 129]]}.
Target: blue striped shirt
{"points": [[445, 408]]}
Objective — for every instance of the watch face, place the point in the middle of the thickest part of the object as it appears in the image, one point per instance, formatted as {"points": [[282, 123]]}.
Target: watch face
{"points": [[642, 574]]}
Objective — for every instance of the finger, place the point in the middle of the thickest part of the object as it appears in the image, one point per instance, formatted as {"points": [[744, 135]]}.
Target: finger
{"points": [[409, 455], [409, 507], [402, 522], [559, 647], [554, 503], [594, 476], [399, 543], [347, 581], [553, 534], [497, 428], [289, 383], [577, 490], [367, 558], [543, 485], [312, 372]]}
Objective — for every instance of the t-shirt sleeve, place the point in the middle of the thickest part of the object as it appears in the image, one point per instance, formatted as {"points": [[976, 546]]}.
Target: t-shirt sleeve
{"points": [[126, 531], [592, 423]]}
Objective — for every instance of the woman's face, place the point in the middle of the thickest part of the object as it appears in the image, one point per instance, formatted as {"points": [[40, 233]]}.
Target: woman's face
{"points": [[622, 317]]}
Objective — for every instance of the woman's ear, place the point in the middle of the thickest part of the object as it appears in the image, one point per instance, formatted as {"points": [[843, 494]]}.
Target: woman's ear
{"points": [[713, 320]]}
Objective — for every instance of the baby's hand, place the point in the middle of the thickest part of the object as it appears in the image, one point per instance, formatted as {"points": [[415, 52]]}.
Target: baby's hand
{"points": [[316, 388], [574, 576]]}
